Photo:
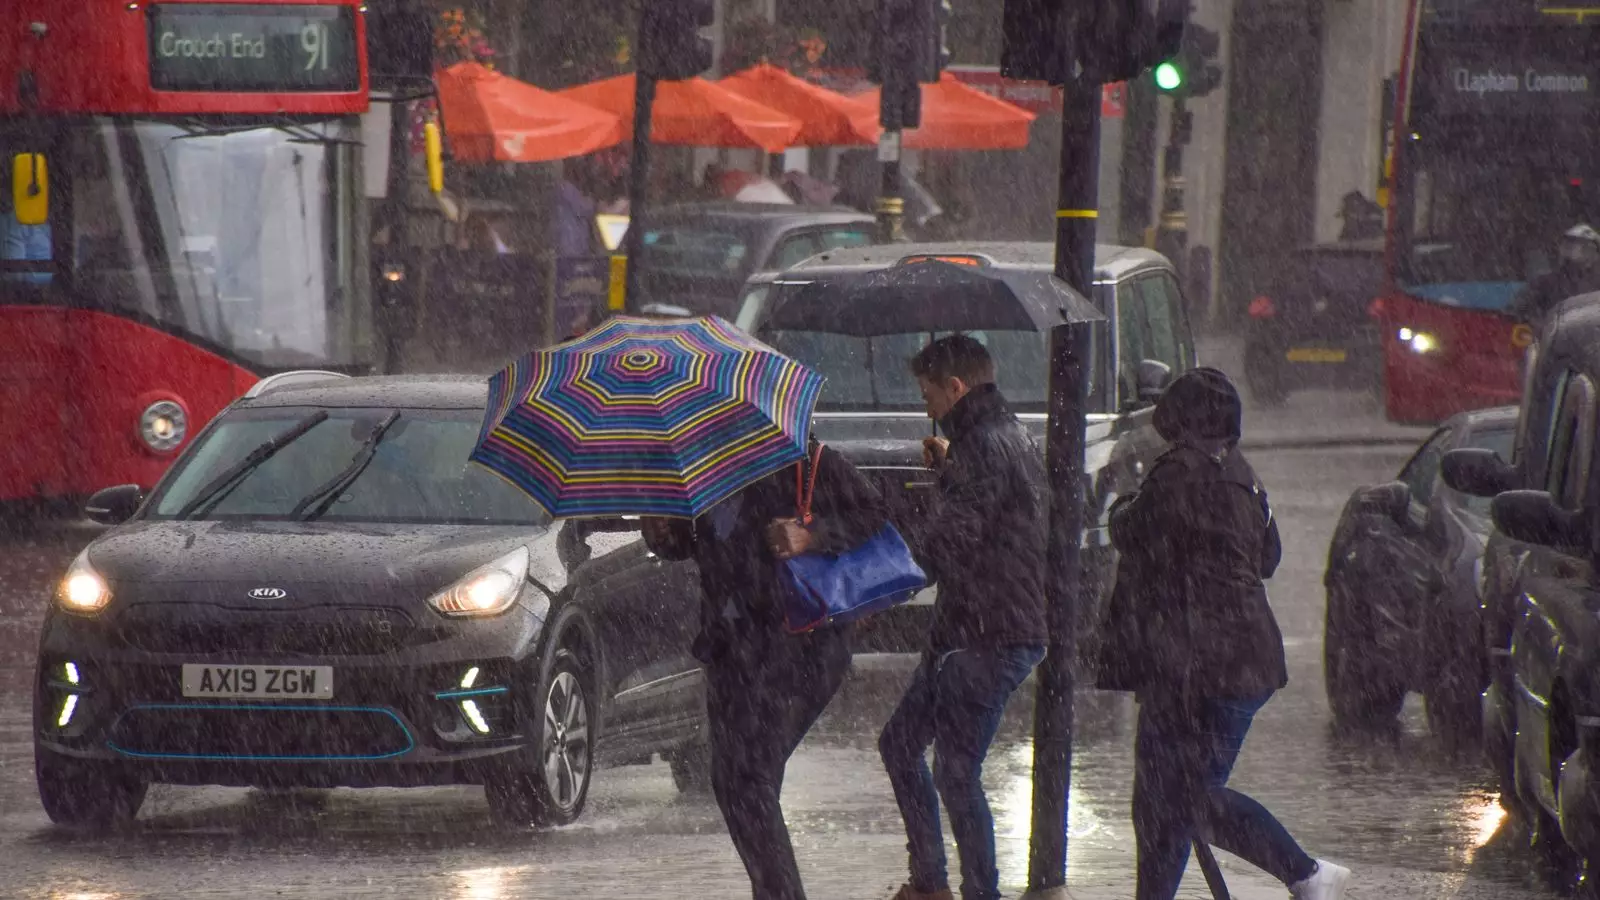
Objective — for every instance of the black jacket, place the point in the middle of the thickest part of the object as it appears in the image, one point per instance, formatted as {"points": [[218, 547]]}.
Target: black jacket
{"points": [[983, 538], [743, 611], [1533, 303], [1198, 539]]}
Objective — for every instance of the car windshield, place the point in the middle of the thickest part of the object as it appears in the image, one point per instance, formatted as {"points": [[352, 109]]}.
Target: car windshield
{"points": [[691, 252], [1498, 440], [419, 473]]}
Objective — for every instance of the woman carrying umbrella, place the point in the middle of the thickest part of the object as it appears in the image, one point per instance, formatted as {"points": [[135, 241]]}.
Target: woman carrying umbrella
{"points": [[766, 687], [702, 431]]}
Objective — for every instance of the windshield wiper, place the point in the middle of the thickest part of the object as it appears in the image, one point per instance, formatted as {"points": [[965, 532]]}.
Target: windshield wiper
{"points": [[328, 493], [221, 486]]}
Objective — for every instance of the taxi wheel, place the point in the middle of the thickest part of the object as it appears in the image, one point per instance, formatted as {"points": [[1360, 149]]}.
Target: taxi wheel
{"points": [[1264, 378], [87, 795], [551, 783]]}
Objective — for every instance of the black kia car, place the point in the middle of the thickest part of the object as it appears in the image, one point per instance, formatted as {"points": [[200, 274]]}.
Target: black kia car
{"points": [[1315, 324], [1403, 611], [322, 591]]}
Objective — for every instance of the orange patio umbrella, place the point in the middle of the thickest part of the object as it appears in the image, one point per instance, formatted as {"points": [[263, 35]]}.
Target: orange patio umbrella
{"points": [[696, 113], [825, 116], [955, 116], [490, 117]]}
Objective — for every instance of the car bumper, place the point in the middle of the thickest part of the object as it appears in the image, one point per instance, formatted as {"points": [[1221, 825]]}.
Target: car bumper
{"points": [[397, 719], [1311, 361]]}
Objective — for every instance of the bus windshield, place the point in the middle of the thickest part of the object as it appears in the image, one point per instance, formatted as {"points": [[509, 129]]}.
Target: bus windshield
{"points": [[241, 237], [1497, 159]]}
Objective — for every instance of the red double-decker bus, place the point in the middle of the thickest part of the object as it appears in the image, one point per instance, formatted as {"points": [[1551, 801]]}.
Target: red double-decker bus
{"points": [[183, 212], [1493, 158]]}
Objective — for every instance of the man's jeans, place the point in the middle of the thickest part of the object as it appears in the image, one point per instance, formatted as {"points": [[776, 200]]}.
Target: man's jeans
{"points": [[954, 704]]}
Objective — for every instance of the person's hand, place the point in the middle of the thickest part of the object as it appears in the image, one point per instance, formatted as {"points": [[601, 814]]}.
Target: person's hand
{"points": [[787, 538], [656, 530], [935, 450]]}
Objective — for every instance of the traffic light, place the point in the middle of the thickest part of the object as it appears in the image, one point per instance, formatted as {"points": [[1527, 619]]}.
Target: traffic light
{"points": [[904, 54], [1100, 42], [1192, 71], [671, 45]]}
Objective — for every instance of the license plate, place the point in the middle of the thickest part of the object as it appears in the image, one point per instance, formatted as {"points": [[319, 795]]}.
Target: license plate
{"points": [[1315, 355], [259, 682]]}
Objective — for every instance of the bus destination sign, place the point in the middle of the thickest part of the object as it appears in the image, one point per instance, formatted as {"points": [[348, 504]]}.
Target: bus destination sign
{"points": [[253, 48], [1525, 86]]}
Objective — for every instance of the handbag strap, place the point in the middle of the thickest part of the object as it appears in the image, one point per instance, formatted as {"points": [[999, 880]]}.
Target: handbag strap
{"points": [[804, 487]]}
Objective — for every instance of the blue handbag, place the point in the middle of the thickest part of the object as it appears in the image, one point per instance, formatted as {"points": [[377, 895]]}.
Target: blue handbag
{"points": [[832, 589]]}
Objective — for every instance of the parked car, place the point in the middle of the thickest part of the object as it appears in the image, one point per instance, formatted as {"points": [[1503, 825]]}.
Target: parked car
{"points": [[1542, 706], [323, 592], [698, 255], [1402, 582], [1315, 324], [871, 410]]}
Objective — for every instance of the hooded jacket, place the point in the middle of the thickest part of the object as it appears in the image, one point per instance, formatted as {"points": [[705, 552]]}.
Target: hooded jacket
{"points": [[983, 538], [1198, 540], [742, 610]]}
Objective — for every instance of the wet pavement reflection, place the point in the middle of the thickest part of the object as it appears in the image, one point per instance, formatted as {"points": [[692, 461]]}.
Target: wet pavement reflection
{"points": [[1409, 816]]}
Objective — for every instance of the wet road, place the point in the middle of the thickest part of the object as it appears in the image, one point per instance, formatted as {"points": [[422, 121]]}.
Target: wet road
{"points": [[1411, 821]]}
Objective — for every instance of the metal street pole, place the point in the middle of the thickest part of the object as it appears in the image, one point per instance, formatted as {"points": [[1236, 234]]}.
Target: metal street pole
{"points": [[1076, 217], [644, 97], [891, 204], [1172, 233]]}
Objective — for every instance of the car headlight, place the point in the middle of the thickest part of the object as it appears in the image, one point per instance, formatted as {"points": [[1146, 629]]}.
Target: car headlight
{"points": [[486, 591], [82, 591], [163, 425], [1420, 342]]}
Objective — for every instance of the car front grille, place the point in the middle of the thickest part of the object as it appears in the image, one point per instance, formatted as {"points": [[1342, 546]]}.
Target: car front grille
{"points": [[242, 731], [322, 632]]}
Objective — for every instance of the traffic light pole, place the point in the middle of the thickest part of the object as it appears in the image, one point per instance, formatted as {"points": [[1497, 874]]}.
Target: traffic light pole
{"points": [[1076, 217], [644, 97], [1172, 231], [891, 203]]}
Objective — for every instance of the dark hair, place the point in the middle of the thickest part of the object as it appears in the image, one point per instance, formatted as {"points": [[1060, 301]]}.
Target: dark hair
{"points": [[956, 356]]}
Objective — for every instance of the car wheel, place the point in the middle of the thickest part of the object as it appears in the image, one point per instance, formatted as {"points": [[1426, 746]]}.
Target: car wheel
{"points": [[1264, 378], [1359, 694], [551, 785], [691, 768], [86, 794]]}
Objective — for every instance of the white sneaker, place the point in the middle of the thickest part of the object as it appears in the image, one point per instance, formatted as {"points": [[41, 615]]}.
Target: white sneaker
{"points": [[1326, 883]]}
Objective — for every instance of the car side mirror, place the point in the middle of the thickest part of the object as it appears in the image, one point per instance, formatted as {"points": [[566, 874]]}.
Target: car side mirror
{"points": [[1152, 380], [114, 505], [1392, 500], [1533, 517], [1477, 472]]}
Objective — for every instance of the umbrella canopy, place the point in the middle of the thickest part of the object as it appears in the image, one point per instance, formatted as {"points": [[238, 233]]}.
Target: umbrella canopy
{"points": [[928, 295], [695, 112], [646, 417], [492, 117], [826, 117], [955, 116]]}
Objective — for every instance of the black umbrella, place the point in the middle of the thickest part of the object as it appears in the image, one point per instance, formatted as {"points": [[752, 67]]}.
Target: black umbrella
{"points": [[928, 295]]}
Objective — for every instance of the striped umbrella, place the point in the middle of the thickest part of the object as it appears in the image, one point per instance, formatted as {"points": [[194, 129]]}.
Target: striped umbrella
{"points": [[646, 417]]}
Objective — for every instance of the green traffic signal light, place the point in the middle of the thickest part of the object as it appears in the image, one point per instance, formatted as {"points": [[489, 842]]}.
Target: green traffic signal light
{"points": [[1168, 76]]}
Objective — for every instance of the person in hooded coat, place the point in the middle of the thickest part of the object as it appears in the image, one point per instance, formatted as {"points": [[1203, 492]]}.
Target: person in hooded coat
{"points": [[765, 687], [1199, 539]]}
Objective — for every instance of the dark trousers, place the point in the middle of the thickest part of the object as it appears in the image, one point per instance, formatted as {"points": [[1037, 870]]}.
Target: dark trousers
{"points": [[760, 706], [1182, 760], [953, 704]]}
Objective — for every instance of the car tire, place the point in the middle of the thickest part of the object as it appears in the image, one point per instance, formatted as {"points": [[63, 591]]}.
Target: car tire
{"points": [[551, 783], [1264, 378], [1359, 697], [86, 794], [691, 768]]}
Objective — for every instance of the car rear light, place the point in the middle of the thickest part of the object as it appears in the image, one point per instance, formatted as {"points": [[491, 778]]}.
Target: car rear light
{"points": [[1376, 309], [1262, 308]]}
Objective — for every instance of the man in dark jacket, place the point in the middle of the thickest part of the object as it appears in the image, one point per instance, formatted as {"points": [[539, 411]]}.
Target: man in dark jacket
{"points": [[1577, 272], [765, 687], [1200, 536], [983, 543]]}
